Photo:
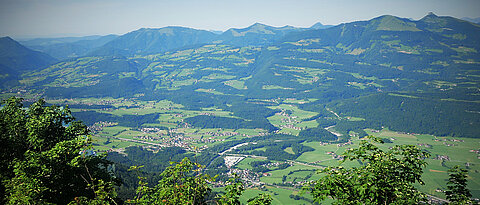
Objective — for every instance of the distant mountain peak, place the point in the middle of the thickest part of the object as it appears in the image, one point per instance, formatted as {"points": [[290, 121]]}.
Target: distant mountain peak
{"points": [[254, 28], [319, 25], [430, 17], [393, 23], [9, 41], [6, 38], [257, 34], [288, 27], [431, 14], [257, 24]]}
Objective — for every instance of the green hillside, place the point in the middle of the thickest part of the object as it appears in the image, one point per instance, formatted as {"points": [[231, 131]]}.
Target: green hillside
{"points": [[434, 59], [288, 100]]}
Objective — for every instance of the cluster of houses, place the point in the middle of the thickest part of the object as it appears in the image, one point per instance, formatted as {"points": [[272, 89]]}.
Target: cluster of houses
{"points": [[221, 134], [250, 179], [442, 157], [31, 97], [98, 126], [447, 140], [477, 152], [335, 156], [259, 134], [207, 113], [424, 145], [345, 144], [289, 120], [178, 141], [291, 126], [210, 140], [148, 138], [150, 129], [276, 164]]}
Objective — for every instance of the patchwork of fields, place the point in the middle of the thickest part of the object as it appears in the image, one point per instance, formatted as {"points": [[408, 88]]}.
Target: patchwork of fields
{"points": [[282, 179]]}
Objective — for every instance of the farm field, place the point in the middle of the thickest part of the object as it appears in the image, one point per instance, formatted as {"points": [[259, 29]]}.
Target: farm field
{"points": [[169, 129], [280, 196]]}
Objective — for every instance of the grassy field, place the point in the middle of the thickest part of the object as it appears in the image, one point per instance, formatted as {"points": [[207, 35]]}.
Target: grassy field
{"points": [[277, 175], [280, 196], [291, 119]]}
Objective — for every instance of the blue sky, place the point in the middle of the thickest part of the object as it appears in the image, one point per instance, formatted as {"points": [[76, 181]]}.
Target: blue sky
{"points": [[53, 18]]}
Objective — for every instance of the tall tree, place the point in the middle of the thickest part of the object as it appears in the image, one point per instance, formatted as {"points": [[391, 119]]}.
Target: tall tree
{"points": [[385, 177], [458, 192]]}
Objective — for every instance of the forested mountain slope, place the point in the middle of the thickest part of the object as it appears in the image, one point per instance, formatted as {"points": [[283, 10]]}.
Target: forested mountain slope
{"points": [[150, 41], [16, 59]]}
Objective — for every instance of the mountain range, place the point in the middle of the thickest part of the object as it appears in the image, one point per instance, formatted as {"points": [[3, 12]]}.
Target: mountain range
{"points": [[426, 72], [68, 47]]}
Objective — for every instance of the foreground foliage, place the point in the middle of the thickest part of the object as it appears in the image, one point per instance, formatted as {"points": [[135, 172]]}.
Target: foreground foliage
{"points": [[47, 156], [385, 177], [181, 183], [185, 183]]}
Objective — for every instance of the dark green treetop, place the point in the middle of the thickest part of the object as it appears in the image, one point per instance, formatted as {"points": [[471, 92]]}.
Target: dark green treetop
{"points": [[457, 192]]}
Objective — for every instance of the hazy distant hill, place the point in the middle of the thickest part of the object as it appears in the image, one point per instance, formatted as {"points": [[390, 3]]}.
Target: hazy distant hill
{"points": [[68, 47], [149, 41], [320, 26], [256, 35], [59, 40], [473, 20]]}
